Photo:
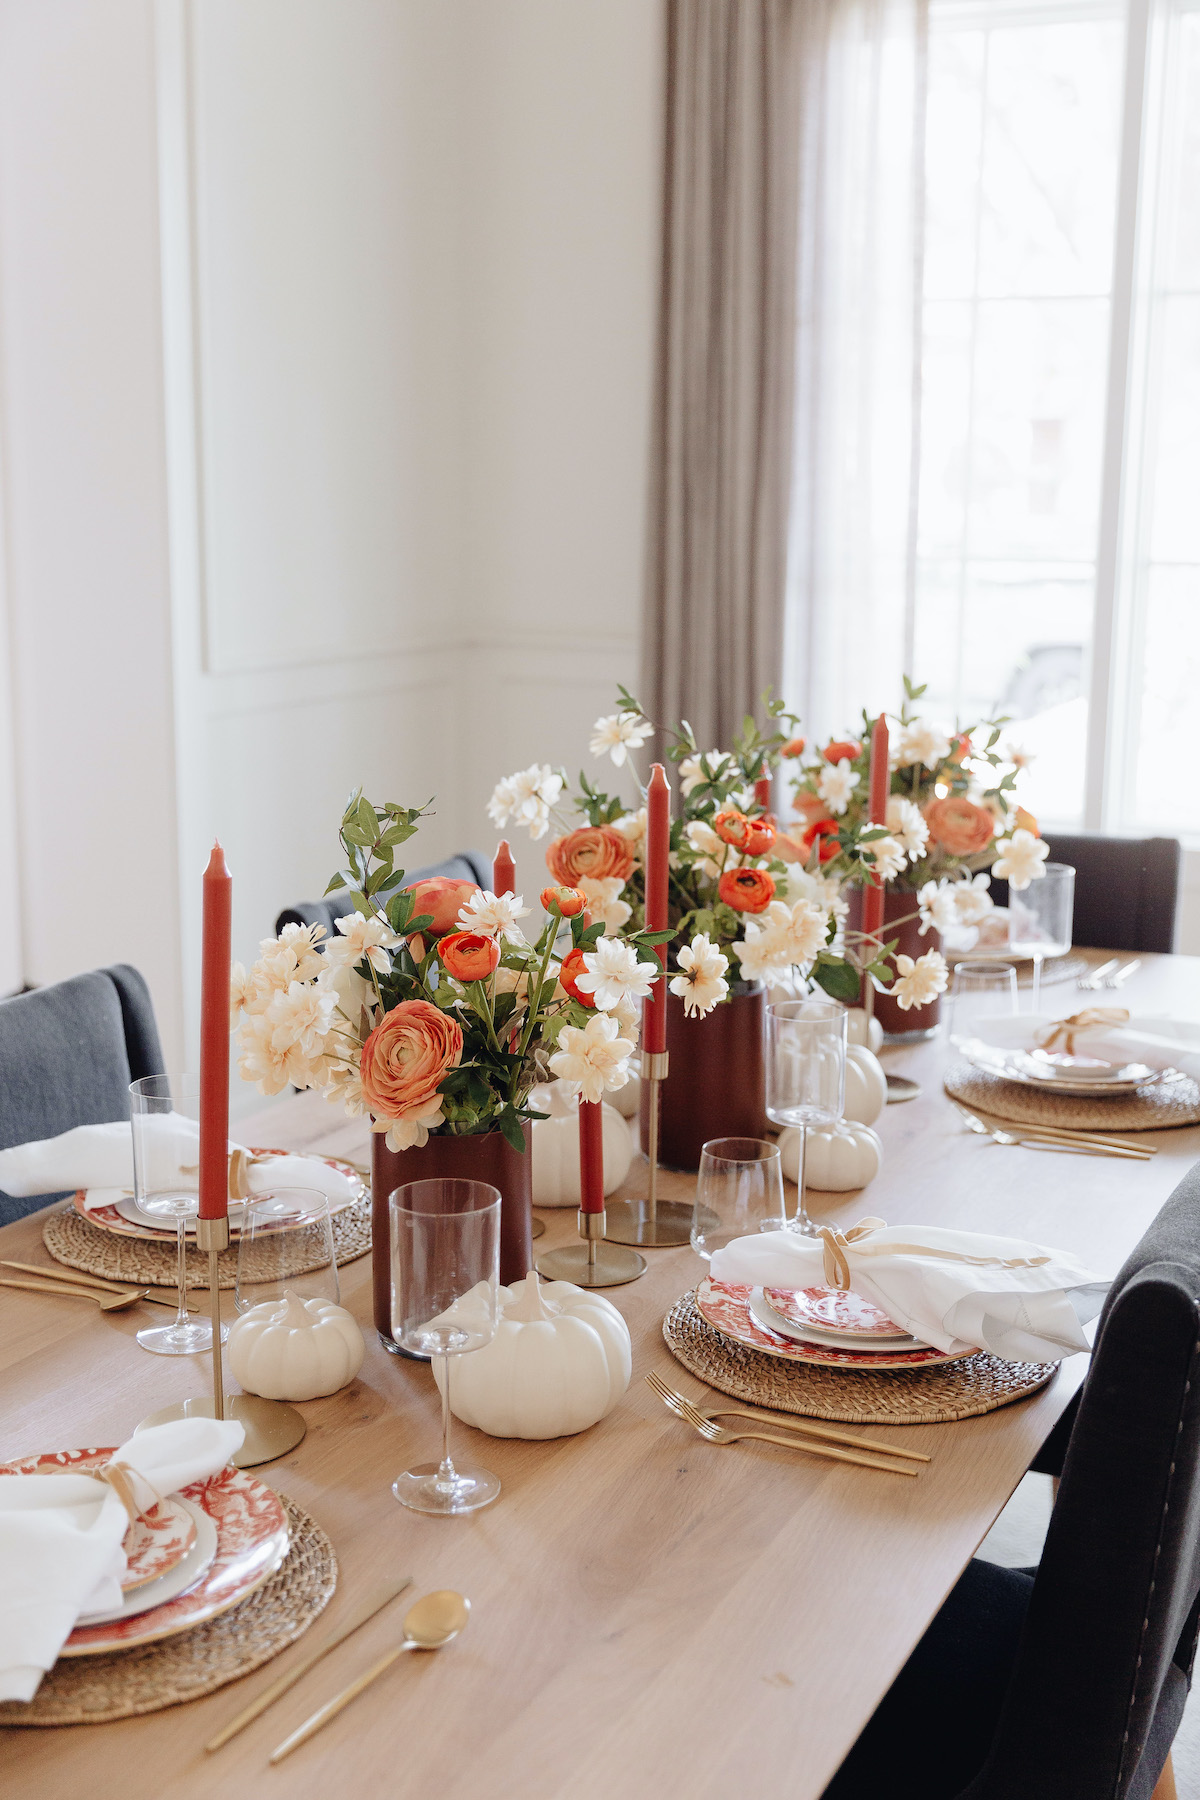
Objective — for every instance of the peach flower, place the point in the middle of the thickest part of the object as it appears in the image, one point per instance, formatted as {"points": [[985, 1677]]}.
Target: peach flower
{"points": [[842, 750], [596, 851], [405, 1058], [444, 898], [959, 826], [563, 902]]}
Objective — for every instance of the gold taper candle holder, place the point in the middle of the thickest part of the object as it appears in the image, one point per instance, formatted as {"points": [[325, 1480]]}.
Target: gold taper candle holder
{"points": [[651, 1224], [592, 1263]]}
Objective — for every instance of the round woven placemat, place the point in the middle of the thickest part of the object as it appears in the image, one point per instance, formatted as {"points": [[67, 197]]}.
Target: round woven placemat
{"points": [[79, 1244], [1148, 1109], [960, 1390], [91, 1690]]}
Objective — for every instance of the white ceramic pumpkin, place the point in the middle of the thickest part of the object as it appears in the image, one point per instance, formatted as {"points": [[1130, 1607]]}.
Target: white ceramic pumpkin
{"points": [[555, 1148], [627, 1099], [866, 1086], [864, 1031], [840, 1156], [294, 1349], [560, 1360]]}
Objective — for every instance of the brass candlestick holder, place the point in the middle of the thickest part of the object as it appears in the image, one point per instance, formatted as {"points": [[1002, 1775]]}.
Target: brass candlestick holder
{"points": [[651, 1224], [593, 1263], [272, 1427]]}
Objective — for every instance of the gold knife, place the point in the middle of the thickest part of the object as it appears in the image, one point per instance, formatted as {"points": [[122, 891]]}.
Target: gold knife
{"points": [[380, 1599]]}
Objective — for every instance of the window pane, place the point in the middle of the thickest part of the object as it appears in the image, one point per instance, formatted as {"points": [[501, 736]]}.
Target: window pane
{"points": [[1168, 794]]}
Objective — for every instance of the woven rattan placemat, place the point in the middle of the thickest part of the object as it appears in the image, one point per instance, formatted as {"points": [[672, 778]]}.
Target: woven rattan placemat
{"points": [[959, 1390], [1149, 1109], [91, 1690], [79, 1244]]}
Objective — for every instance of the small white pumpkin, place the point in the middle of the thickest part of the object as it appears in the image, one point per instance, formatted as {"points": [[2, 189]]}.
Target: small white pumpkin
{"points": [[866, 1086], [627, 1099], [839, 1157], [560, 1360], [555, 1147], [864, 1031], [294, 1349]]}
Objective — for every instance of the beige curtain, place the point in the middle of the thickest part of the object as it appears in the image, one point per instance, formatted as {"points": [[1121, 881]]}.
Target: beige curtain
{"points": [[723, 412]]}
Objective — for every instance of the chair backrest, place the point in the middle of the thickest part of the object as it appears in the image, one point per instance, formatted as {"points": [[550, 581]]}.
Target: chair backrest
{"points": [[467, 865], [1126, 889], [67, 1056], [1105, 1658]]}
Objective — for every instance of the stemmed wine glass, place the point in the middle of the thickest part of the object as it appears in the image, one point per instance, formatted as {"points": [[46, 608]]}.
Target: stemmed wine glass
{"points": [[164, 1112], [1040, 918], [445, 1248], [806, 1075]]}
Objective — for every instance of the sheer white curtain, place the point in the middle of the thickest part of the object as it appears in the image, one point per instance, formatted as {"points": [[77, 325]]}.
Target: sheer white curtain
{"points": [[852, 551]]}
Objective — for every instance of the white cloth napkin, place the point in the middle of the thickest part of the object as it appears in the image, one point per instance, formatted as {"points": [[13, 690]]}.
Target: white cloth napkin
{"points": [[1164, 1043], [99, 1158], [956, 1290], [61, 1537]]}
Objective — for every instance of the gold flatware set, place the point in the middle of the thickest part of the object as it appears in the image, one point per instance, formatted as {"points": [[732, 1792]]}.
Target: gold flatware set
{"points": [[1056, 1137], [110, 1296]]}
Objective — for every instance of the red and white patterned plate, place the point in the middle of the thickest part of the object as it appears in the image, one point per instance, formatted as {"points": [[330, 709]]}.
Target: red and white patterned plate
{"points": [[252, 1541], [156, 1542], [836, 1313], [727, 1309], [109, 1218], [184, 1575]]}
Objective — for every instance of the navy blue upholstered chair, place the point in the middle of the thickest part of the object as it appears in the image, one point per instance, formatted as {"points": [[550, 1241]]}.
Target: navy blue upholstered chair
{"points": [[67, 1056], [1126, 889], [1068, 1681], [468, 865]]}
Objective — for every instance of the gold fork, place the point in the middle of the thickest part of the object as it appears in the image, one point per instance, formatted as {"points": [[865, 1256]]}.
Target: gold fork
{"points": [[676, 1401], [1036, 1137], [716, 1434]]}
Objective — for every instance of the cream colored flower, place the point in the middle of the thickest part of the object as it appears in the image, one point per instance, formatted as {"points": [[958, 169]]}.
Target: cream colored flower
{"points": [[618, 734], [362, 940], [919, 982], [920, 741], [594, 1059], [242, 993], [836, 784], [708, 846], [343, 1084], [632, 827], [300, 1018], [755, 952], [937, 906], [494, 915], [604, 901], [798, 883], [692, 776], [972, 900], [1018, 756], [628, 1014], [503, 802], [701, 982], [410, 1133], [907, 825], [302, 941], [612, 972], [887, 855], [273, 1065], [797, 932], [1020, 859]]}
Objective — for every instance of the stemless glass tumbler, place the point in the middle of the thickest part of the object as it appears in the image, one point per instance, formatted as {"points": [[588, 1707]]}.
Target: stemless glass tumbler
{"points": [[739, 1190], [981, 991], [445, 1248], [806, 1074], [165, 1113], [286, 1243]]}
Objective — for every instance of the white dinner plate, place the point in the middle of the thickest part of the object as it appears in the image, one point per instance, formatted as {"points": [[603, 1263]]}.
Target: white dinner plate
{"points": [[1006, 1047], [176, 1580]]}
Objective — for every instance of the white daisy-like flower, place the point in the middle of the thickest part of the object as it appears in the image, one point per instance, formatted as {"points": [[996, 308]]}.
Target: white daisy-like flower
{"points": [[273, 1058], [708, 846], [1020, 859], [628, 1014], [701, 982], [937, 906], [919, 982], [593, 1059], [797, 932], [836, 784], [503, 802], [798, 883], [617, 734], [535, 791], [920, 741], [301, 1016], [344, 1085], [632, 827], [755, 952], [494, 915], [410, 1133], [888, 856], [691, 774], [1018, 756], [361, 940], [302, 941], [972, 900], [612, 972], [243, 993], [604, 901], [906, 823]]}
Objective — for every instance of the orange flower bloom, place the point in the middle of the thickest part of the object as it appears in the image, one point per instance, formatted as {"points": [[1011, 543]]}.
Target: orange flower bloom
{"points": [[563, 902], [793, 747], [444, 898], [746, 890], [596, 851], [760, 837], [468, 955], [572, 968], [405, 1058], [825, 831], [731, 826], [960, 749], [959, 826], [842, 749], [1025, 821], [810, 804]]}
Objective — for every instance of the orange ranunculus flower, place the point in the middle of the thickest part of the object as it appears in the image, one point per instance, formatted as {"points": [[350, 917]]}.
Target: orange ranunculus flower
{"points": [[760, 837], [1025, 821], [730, 826], [959, 826], [596, 851], [960, 749], [810, 804], [842, 750], [572, 968], [468, 955], [746, 890], [444, 898], [825, 832], [405, 1058], [563, 902], [793, 747]]}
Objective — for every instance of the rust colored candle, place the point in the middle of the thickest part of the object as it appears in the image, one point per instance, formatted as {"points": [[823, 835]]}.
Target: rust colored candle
{"points": [[214, 1038], [880, 780], [762, 792], [504, 870], [591, 1157], [658, 850]]}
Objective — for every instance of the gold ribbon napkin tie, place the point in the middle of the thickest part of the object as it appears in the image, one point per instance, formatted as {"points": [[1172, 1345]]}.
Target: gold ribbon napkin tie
{"points": [[120, 1477], [1061, 1033], [837, 1245]]}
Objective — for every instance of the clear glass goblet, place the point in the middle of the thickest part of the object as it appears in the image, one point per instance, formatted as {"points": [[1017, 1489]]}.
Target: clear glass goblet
{"points": [[164, 1114], [445, 1249], [739, 1191], [806, 1075], [1040, 919]]}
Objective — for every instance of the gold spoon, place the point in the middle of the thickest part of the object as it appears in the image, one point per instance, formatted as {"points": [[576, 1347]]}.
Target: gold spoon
{"points": [[72, 1278], [106, 1302], [430, 1623]]}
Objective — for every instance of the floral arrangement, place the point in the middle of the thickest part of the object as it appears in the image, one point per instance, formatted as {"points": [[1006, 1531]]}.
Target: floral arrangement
{"points": [[740, 893], [429, 1008]]}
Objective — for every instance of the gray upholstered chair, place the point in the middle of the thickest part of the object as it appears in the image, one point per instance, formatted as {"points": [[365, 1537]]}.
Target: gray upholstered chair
{"points": [[67, 1056], [1126, 889], [468, 865]]}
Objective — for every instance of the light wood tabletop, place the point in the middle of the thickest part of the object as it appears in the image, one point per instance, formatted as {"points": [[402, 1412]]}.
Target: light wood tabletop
{"points": [[652, 1615]]}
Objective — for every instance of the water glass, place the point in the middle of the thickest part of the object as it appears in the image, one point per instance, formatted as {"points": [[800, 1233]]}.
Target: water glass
{"points": [[165, 1113], [806, 1074], [445, 1248], [285, 1243], [739, 1191], [1040, 919], [980, 991]]}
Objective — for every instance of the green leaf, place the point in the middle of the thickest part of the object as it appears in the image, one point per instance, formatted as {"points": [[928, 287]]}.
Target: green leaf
{"points": [[839, 979], [510, 1125], [335, 882]]}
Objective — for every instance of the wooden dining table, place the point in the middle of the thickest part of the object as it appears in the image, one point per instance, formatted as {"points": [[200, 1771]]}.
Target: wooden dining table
{"points": [[652, 1615]]}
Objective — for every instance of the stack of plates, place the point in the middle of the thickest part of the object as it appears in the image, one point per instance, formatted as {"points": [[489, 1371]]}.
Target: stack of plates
{"points": [[124, 1218], [822, 1326], [1008, 1050]]}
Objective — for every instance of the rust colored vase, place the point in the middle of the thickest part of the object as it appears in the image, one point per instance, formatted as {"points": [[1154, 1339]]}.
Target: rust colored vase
{"points": [[716, 1084], [484, 1156], [898, 903]]}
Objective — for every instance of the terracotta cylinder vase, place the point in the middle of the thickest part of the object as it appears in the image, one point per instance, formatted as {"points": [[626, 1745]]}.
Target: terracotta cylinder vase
{"points": [[484, 1156], [898, 903], [716, 1082]]}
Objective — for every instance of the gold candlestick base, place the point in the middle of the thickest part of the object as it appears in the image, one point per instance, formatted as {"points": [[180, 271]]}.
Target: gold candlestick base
{"points": [[272, 1426], [594, 1263]]}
